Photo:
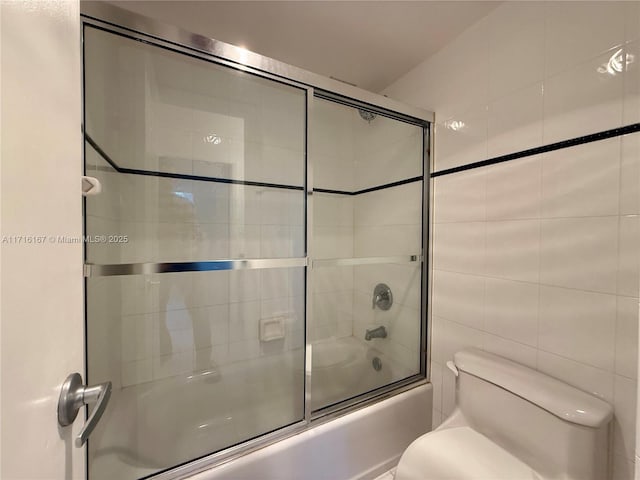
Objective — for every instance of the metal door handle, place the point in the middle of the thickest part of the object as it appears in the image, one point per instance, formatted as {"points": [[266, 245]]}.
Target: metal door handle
{"points": [[73, 396]]}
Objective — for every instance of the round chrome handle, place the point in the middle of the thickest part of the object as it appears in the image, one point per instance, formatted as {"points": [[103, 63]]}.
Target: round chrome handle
{"points": [[382, 297], [73, 396]]}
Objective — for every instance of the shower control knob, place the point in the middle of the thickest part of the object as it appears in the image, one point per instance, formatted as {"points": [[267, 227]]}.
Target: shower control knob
{"points": [[382, 297]]}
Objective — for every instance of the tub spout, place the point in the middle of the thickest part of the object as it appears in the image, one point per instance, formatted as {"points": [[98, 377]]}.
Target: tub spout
{"points": [[378, 332]]}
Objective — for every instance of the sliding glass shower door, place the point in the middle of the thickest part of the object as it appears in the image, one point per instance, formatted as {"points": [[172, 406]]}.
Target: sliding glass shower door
{"points": [[227, 299], [196, 278], [366, 329]]}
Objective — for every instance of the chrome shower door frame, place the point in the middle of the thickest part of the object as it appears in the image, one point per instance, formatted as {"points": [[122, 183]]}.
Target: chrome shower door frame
{"points": [[137, 27]]}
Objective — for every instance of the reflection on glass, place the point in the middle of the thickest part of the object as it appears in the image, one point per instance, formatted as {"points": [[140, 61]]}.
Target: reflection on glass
{"points": [[618, 63], [154, 110]]}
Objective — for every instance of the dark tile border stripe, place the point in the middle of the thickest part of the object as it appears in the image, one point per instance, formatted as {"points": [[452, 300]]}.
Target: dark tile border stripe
{"points": [[371, 189], [389, 185], [336, 192], [594, 137], [183, 176]]}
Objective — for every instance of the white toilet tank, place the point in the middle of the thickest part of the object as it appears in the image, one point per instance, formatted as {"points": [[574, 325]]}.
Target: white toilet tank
{"points": [[545, 428]]}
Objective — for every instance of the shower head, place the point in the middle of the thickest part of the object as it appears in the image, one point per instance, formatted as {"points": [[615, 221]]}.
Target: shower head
{"points": [[366, 115]]}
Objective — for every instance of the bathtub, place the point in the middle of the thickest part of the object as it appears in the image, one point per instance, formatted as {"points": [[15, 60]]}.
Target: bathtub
{"points": [[358, 446], [344, 367], [207, 412], [157, 425]]}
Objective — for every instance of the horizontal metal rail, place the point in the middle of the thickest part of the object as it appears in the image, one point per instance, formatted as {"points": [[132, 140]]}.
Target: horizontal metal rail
{"points": [[149, 268], [345, 262], [125, 22], [94, 270]]}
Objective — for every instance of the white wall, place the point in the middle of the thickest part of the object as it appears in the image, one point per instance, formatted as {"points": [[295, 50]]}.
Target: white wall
{"points": [[41, 295], [537, 259]]}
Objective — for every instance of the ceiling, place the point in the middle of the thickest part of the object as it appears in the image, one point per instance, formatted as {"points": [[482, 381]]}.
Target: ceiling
{"points": [[366, 43]]}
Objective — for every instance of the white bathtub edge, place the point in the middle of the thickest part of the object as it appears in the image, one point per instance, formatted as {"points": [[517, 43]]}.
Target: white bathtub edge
{"points": [[347, 448]]}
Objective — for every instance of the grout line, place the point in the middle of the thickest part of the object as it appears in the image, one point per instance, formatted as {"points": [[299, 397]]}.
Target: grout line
{"points": [[611, 372], [577, 217], [540, 206], [527, 282]]}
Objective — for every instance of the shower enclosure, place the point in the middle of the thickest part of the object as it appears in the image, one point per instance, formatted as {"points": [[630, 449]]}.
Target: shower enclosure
{"points": [[256, 258]]}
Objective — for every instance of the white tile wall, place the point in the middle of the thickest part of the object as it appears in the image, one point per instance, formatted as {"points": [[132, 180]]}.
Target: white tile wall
{"points": [[519, 181], [332, 146], [462, 138], [460, 247], [629, 170], [582, 181], [462, 197], [386, 151], [198, 321], [631, 101], [512, 249], [578, 325], [333, 150], [515, 121], [580, 253], [511, 310], [582, 99], [516, 52], [537, 259], [388, 222], [449, 288]]}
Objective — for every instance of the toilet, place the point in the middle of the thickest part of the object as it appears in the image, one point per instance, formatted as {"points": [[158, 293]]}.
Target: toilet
{"points": [[512, 423]]}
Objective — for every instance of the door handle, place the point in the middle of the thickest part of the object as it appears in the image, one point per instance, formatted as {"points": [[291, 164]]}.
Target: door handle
{"points": [[73, 396]]}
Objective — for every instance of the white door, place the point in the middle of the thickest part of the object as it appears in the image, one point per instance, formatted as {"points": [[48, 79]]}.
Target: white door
{"points": [[42, 332]]}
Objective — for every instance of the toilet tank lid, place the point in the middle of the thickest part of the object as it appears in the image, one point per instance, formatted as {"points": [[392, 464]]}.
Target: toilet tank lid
{"points": [[548, 393]]}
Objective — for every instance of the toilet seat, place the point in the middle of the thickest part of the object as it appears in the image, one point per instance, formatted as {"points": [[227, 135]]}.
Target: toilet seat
{"points": [[460, 453]]}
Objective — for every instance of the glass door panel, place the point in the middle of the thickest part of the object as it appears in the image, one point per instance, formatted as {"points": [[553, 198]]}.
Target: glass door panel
{"points": [[202, 167], [358, 348], [367, 249]]}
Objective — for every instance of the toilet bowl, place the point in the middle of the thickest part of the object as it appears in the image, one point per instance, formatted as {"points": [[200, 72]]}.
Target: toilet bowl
{"points": [[511, 423]]}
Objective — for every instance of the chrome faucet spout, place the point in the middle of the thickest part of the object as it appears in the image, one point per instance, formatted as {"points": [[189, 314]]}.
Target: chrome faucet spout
{"points": [[378, 332]]}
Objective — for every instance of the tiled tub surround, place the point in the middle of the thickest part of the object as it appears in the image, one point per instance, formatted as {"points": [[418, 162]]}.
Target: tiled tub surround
{"points": [[537, 258]]}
